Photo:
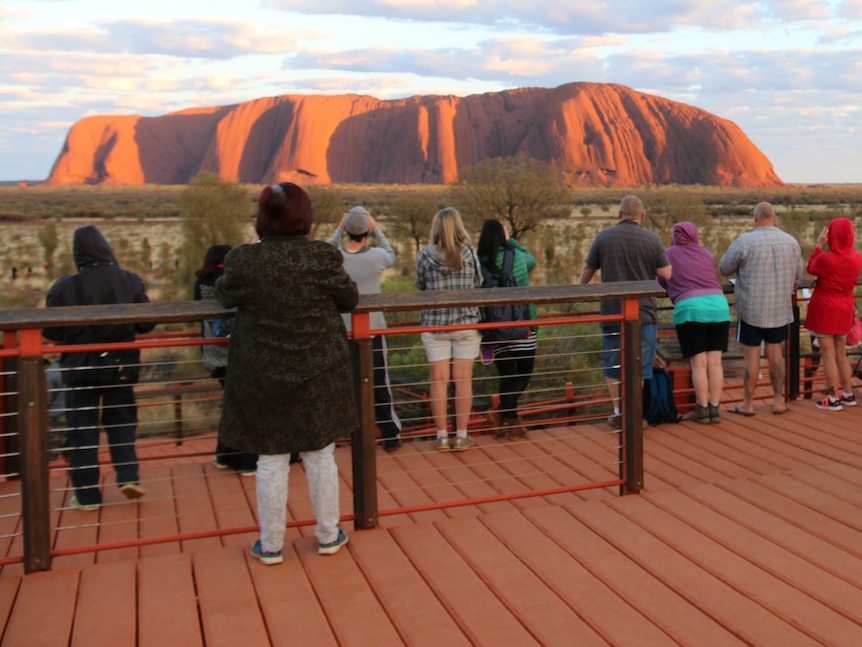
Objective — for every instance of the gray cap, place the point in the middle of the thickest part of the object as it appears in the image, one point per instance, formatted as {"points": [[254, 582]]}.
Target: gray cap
{"points": [[358, 221]]}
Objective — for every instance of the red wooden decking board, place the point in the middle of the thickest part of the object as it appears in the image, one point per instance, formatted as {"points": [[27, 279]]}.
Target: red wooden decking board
{"points": [[118, 523], [716, 438], [766, 520], [106, 612], [194, 507], [8, 592], [797, 514], [796, 607], [228, 605], [824, 555], [534, 451], [739, 614], [843, 489], [794, 570], [544, 613], [701, 438], [231, 505], [353, 611], [480, 614], [831, 507], [427, 468], [167, 602], [419, 617], [43, 611], [157, 512], [715, 461], [289, 605], [651, 598]]}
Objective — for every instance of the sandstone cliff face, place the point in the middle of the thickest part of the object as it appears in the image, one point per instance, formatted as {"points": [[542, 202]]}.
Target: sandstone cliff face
{"points": [[601, 134]]}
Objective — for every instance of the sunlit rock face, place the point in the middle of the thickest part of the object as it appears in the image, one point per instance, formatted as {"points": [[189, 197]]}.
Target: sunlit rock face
{"points": [[597, 133]]}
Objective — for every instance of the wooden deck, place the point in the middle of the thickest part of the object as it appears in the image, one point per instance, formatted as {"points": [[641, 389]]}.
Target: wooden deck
{"points": [[748, 533]]}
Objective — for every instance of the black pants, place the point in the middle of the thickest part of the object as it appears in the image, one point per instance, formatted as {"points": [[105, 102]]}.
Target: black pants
{"points": [[515, 369], [118, 414], [384, 410]]}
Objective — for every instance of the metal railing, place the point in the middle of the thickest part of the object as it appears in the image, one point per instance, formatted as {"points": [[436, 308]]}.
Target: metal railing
{"points": [[26, 435]]}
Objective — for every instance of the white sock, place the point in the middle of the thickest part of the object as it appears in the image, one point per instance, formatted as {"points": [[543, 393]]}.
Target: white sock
{"points": [[461, 433], [847, 394], [442, 433], [616, 411]]}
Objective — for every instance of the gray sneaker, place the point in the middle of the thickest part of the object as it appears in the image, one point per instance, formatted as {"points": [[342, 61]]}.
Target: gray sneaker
{"points": [[442, 444], [615, 420], [463, 444], [334, 546]]}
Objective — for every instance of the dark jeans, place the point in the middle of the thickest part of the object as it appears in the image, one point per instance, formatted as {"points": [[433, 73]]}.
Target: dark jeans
{"points": [[515, 369], [384, 410], [119, 417]]}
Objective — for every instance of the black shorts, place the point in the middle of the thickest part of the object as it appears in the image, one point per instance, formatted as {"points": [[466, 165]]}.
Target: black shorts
{"points": [[696, 337], [749, 335]]}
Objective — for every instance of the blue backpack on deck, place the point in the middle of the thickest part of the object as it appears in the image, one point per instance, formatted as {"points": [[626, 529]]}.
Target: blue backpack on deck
{"points": [[658, 403]]}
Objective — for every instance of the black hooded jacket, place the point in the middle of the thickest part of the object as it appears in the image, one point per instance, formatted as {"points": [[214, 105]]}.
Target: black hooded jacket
{"points": [[99, 281]]}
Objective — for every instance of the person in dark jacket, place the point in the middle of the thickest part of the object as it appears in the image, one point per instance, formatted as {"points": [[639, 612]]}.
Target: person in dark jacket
{"points": [[514, 359], [99, 281], [215, 355], [290, 386]]}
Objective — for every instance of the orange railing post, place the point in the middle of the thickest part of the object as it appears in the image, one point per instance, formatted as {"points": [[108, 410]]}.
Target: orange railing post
{"points": [[363, 447], [633, 441], [33, 436]]}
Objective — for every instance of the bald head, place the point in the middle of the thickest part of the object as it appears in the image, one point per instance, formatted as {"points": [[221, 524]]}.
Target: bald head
{"points": [[631, 208], [764, 215]]}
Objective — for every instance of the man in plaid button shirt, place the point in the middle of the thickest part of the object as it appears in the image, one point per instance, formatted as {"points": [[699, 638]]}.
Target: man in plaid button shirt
{"points": [[768, 267]]}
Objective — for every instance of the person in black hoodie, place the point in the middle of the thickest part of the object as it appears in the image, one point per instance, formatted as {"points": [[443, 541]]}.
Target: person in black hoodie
{"points": [[99, 281]]}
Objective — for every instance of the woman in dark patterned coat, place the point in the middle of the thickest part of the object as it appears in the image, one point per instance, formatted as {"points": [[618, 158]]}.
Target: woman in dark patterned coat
{"points": [[290, 386]]}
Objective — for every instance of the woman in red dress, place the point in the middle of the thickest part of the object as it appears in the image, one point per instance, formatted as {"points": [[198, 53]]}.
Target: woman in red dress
{"points": [[832, 307]]}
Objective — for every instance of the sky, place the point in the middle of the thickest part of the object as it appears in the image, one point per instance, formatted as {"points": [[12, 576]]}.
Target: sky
{"points": [[788, 72]]}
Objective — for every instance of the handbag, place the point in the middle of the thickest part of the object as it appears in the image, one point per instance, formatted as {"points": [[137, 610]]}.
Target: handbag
{"points": [[855, 334]]}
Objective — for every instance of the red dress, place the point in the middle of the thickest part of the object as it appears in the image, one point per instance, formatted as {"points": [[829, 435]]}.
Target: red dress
{"points": [[830, 311]]}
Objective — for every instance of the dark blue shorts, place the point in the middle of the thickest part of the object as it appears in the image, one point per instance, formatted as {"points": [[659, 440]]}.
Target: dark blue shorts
{"points": [[748, 335]]}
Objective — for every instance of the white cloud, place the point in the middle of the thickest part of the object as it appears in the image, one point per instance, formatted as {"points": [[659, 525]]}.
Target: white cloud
{"points": [[184, 38], [560, 16]]}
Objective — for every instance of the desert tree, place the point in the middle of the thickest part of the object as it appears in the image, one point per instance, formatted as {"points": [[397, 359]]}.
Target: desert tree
{"points": [[213, 211], [411, 215], [520, 191], [326, 205], [48, 239]]}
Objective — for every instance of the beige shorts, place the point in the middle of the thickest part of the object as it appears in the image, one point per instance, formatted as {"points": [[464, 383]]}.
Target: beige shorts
{"points": [[459, 344]]}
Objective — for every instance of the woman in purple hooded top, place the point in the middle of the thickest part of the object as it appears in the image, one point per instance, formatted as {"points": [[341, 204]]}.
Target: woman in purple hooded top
{"points": [[832, 306], [701, 317]]}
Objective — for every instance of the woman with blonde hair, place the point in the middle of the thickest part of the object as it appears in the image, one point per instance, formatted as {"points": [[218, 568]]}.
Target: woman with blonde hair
{"points": [[450, 263]]}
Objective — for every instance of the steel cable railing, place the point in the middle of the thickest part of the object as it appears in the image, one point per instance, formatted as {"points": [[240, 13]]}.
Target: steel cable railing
{"points": [[569, 446]]}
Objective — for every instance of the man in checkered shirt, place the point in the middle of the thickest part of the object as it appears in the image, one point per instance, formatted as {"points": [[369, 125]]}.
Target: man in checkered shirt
{"points": [[768, 267]]}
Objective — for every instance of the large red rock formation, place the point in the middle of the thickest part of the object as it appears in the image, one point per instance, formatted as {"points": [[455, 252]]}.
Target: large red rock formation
{"points": [[603, 134]]}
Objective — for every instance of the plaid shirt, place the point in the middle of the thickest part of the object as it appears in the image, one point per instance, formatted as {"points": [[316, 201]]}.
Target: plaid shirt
{"points": [[432, 274], [768, 266]]}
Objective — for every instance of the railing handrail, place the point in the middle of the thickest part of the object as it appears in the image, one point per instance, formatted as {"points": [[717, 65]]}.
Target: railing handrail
{"points": [[163, 312]]}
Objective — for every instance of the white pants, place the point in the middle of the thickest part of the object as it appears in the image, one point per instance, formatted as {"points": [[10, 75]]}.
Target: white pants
{"points": [[321, 472]]}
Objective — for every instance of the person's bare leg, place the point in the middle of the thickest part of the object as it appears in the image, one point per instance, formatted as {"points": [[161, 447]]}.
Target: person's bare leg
{"points": [[845, 371], [715, 373], [437, 392], [462, 374], [775, 357], [830, 366], [699, 378], [749, 376]]}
